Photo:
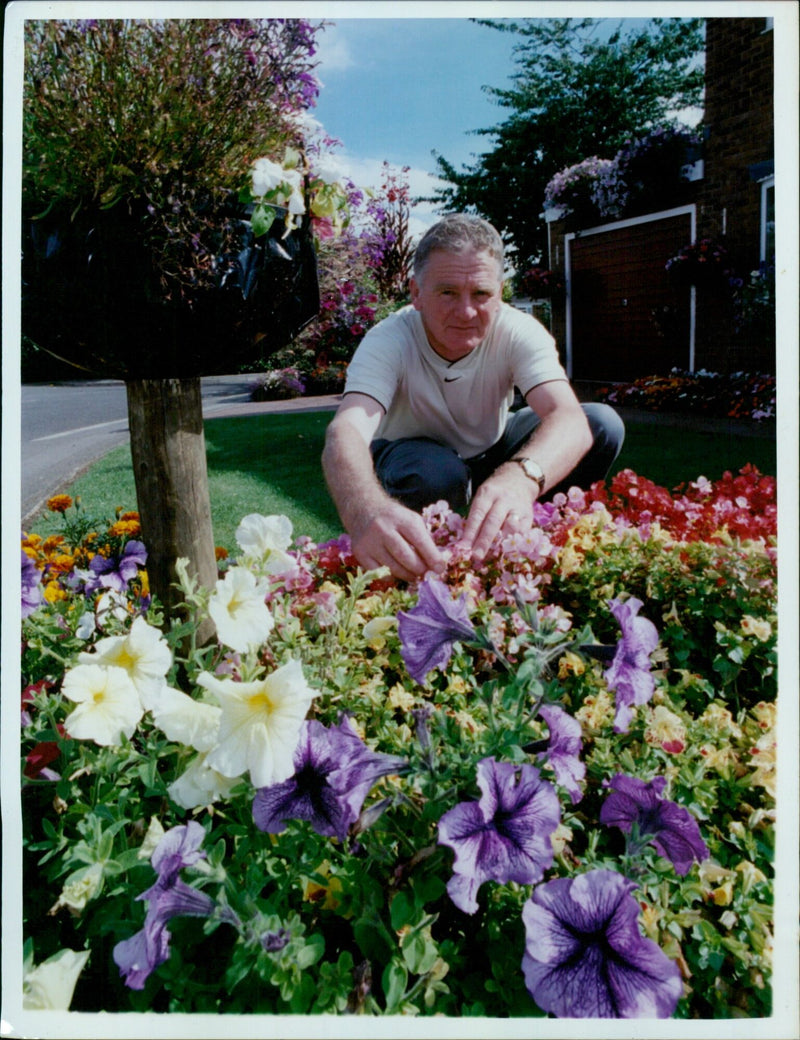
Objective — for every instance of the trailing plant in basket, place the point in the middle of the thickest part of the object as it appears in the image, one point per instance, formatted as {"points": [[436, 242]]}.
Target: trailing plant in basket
{"points": [[186, 144]]}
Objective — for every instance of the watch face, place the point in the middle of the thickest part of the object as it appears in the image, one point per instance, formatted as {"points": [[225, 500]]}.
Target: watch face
{"points": [[533, 471]]}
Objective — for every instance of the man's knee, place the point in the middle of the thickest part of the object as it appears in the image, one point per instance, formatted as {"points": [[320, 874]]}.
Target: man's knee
{"points": [[608, 430], [418, 471]]}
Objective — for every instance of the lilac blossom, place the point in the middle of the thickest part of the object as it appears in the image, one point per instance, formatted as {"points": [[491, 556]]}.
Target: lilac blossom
{"points": [[31, 585], [505, 836], [428, 631], [585, 956], [334, 771], [564, 749], [639, 809], [169, 897], [114, 572], [629, 674]]}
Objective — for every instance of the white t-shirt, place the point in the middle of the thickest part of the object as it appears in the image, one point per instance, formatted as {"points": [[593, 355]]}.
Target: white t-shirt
{"points": [[463, 404]]}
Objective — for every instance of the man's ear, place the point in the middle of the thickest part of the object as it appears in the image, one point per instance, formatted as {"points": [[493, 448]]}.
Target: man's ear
{"points": [[413, 288]]}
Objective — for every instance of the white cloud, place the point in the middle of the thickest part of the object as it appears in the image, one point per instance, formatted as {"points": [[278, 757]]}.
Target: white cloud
{"points": [[333, 53]]}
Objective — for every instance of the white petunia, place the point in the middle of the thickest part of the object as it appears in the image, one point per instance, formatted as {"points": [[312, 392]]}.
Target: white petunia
{"points": [[49, 986], [185, 720], [200, 785], [108, 703], [265, 539], [266, 176], [238, 610], [143, 653], [82, 886], [260, 724]]}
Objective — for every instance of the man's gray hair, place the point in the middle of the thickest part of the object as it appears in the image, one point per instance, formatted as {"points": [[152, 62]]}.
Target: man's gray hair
{"points": [[455, 233]]}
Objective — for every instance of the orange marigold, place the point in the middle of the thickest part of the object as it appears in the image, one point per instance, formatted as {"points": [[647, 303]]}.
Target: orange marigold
{"points": [[125, 527], [220, 552], [59, 503]]}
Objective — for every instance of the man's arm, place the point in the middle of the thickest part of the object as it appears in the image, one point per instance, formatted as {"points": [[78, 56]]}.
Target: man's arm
{"points": [[383, 532], [505, 499]]}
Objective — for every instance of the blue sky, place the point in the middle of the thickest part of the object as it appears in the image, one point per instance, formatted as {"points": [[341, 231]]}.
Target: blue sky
{"points": [[397, 89]]}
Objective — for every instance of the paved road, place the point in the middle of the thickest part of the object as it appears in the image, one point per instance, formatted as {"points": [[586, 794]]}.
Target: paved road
{"points": [[67, 426]]}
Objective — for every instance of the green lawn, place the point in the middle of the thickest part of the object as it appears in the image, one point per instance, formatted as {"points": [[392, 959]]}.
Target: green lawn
{"points": [[270, 464]]}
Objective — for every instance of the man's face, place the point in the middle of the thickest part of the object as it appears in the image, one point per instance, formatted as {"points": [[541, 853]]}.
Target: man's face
{"points": [[458, 295]]}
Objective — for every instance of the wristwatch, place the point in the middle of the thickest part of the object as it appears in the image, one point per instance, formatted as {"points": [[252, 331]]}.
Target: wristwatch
{"points": [[531, 469]]}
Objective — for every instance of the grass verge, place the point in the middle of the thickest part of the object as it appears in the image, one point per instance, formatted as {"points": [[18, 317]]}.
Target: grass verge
{"points": [[271, 464]]}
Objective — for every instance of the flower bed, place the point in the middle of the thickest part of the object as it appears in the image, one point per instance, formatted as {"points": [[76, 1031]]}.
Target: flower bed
{"points": [[544, 785], [741, 395]]}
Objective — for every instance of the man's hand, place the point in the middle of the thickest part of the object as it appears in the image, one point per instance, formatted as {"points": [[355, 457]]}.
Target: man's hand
{"points": [[503, 502], [397, 538]]}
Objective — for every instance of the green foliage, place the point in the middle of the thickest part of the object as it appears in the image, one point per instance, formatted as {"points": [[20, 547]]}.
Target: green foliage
{"points": [[575, 94]]}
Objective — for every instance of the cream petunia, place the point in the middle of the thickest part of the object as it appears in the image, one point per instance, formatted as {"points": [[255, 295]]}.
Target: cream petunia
{"points": [[50, 985], [143, 653], [108, 703], [264, 540], [185, 720], [238, 610], [260, 723], [200, 785]]}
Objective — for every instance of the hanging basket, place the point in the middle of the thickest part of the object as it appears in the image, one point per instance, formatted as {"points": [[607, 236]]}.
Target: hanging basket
{"points": [[94, 296]]}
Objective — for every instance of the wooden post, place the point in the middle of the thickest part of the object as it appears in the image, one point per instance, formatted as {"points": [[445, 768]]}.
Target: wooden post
{"points": [[171, 474]]}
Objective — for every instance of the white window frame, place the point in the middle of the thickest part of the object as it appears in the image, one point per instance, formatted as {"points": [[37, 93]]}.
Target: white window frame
{"points": [[600, 229]]}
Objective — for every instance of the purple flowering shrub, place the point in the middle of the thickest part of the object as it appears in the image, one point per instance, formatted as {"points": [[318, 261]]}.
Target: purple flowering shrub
{"points": [[520, 790]]}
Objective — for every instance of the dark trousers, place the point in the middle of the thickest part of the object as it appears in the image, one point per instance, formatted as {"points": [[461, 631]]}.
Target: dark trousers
{"points": [[419, 470]]}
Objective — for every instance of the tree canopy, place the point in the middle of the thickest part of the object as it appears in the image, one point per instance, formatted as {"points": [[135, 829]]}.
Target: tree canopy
{"points": [[579, 90]]}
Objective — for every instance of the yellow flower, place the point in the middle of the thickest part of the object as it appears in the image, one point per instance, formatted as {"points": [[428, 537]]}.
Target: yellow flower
{"points": [[52, 542], [665, 730], [375, 631], [466, 721], [751, 875], [758, 627], [125, 528], [765, 714], [59, 503], [596, 712], [560, 838], [399, 697], [763, 758], [53, 592], [720, 719], [570, 664], [723, 895], [723, 760], [324, 895]]}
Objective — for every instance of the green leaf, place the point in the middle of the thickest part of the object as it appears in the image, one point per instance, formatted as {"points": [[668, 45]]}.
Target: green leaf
{"points": [[262, 220], [394, 981]]}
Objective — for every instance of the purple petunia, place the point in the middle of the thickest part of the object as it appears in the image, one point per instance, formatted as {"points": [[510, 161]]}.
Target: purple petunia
{"points": [[585, 956], [114, 572], [636, 806], [31, 585], [505, 836], [629, 673], [169, 897], [428, 631], [564, 749], [334, 771]]}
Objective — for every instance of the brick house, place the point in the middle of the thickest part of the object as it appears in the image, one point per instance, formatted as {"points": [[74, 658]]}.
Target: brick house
{"points": [[623, 316]]}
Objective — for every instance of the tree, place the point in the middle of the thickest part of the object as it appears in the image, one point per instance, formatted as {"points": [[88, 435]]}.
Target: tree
{"points": [[576, 94]]}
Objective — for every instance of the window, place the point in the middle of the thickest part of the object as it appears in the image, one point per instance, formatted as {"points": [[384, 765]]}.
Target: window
{"points": [[767, 245]]}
